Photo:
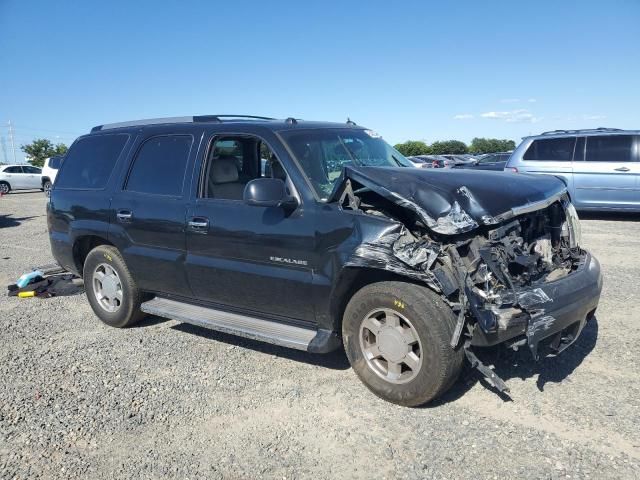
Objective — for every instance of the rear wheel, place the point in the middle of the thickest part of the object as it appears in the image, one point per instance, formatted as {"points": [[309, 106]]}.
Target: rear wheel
{"points": [[111, 290], [397, 336], [46, 188], [4, 188]]}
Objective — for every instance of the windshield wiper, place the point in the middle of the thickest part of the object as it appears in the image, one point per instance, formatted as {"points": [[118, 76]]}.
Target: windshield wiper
{"points": [[397, 161]]}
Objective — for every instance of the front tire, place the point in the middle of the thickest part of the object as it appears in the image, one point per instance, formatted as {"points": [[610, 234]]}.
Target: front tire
{"points": [[46, 188], [111, 290], [396, 336]]}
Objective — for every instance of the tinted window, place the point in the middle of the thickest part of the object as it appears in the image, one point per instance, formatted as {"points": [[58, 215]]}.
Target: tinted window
{"points": [[489, 159], [614, 148], [55, 162], [29, 169], [90, 161], [13, 170], [578, 154], [551, 149], [160, 165]]}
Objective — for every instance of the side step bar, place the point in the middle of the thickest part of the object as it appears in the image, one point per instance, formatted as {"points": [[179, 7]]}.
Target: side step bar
{"points": [[233, 323]]}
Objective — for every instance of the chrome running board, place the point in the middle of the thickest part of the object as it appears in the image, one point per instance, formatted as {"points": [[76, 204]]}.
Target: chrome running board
{"points": [[233, 323]]}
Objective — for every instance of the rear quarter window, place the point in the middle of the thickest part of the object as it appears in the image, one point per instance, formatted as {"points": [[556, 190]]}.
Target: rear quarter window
{"points": [[160, 165], [55, 162], [90, 162], [551, 150]]}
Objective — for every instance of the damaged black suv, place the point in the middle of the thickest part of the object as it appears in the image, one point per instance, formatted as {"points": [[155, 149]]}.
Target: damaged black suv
{"points": [[315, 235]]}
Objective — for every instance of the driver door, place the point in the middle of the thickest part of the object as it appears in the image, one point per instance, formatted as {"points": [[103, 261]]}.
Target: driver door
{"points": [[242, 257]]}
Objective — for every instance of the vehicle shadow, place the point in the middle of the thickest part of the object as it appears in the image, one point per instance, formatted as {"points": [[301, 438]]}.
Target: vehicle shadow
{"points": [[336, 360], [610, 216], [509, 364], [8, 220]]}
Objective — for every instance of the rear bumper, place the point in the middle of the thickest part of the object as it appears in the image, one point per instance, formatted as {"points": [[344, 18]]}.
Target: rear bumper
{"points": [[554, 313]]}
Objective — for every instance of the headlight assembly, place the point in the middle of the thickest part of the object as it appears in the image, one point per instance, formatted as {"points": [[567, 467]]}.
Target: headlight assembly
{"points": [[573, 225]]}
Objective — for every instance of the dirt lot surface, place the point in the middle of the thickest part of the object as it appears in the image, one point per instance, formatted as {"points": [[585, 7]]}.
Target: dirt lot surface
{"points": [[168, 400]]}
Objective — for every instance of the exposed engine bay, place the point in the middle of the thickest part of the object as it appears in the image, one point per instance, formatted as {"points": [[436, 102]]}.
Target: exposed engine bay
{"points": [[491, 274]]}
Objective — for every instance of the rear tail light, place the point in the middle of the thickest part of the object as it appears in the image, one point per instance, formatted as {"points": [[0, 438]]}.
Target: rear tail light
{"points": [[511, 169]]}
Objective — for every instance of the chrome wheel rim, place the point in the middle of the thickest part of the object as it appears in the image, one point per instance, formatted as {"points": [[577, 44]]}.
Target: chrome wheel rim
{"points": [[107, 287], [391, 346], [4, 188], [47, 188]]}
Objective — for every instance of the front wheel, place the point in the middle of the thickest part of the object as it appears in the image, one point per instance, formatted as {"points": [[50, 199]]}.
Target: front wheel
{"points": [[46, 188], [111, 290], [396, 336]]}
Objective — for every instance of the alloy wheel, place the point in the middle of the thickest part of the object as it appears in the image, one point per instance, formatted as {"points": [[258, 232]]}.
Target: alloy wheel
{"points": [[107, 287], [391, 346]]}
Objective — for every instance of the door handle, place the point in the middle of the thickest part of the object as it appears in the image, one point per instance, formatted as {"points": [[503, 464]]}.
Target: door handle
{"points": [[198, 224], [621, 169], [124, 215]]}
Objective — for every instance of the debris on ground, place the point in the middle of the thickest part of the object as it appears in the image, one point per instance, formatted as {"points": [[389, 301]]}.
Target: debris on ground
{"points": [[45, 282]]}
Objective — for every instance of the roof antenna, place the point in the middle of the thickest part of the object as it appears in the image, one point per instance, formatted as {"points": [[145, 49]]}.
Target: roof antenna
{"points": [[350, 122], [291, 121]]}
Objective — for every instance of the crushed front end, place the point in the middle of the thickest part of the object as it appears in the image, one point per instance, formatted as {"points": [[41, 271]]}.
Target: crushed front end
{"points": [[528, 281], [518, 277]]}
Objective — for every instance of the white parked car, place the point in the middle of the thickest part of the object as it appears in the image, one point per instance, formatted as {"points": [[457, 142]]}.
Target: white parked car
{"points": [[19, 177], [49, 172]]}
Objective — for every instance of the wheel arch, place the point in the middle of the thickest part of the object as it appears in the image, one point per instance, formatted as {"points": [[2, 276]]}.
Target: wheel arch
{"points": [[83, 245], [352, 279]]}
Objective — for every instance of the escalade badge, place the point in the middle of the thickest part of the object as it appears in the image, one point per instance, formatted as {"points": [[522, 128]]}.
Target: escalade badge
{"points": [[291, 261]]}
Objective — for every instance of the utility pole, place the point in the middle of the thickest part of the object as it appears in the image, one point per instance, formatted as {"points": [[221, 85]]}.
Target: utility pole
{"points": [[13, 145]]}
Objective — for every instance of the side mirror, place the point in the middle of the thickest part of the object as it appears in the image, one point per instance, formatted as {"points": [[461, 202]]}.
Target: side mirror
{"points": [[268, 192]]}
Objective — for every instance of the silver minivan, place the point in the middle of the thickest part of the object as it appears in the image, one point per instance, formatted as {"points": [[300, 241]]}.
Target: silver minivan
{"points": [[601, 167]]}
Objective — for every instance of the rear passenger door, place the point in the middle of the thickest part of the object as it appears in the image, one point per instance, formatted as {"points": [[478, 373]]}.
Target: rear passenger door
{"points": [[148, 212], [32, 176], [605, 175]]}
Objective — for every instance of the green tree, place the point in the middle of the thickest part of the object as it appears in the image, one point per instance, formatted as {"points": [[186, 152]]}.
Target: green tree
{"points": [[41, 149], [413, 147], [448, 146], [491, 145]]}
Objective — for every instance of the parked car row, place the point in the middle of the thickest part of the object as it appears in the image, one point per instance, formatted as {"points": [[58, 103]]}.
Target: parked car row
{"points": [[442, 161], [28, 177]]}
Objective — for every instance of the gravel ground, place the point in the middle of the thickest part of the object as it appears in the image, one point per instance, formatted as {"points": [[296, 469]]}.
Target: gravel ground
{"points": [[82, 400]]}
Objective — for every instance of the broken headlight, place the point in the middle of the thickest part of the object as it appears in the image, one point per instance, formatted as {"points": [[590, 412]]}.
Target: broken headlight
{"points": [[456, 221], [573, 225]]}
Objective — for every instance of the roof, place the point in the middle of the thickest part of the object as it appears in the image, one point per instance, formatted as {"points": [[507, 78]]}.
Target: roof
{"points": [[585, 132], [273, 123]]}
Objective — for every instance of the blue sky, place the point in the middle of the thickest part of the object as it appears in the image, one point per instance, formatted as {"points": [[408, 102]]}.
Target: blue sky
{"points": [[410, 70]]}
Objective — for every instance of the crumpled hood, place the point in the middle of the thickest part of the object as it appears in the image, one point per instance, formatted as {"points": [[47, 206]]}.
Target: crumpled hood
{"points": [[455, 201]]}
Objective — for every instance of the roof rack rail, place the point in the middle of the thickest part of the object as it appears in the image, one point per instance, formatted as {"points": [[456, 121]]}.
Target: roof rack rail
{"points": [[291, 121], [582, 130], [189, 119]]}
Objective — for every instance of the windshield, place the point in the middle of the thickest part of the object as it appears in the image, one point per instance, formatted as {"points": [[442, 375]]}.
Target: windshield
{"points": [[323, 152]]}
